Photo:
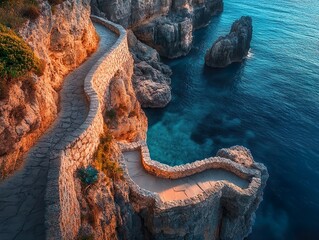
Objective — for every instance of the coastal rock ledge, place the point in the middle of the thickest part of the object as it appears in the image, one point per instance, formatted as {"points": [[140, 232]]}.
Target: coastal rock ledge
{"points": [[233, 47], [190, 201]]}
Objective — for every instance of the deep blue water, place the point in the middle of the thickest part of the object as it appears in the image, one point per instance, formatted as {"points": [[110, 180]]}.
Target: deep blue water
{"points": [[269, 103]]}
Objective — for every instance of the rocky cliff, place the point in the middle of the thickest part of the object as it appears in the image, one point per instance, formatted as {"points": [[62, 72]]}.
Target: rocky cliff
{"points": [[166, 25], [233, 47], [123, 115], [62, 37], [151, 79]]}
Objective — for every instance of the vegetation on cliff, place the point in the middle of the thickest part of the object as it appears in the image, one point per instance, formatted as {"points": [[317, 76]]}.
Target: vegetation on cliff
{"points": [[16, 59], [13, 13], [103, 160], [88, 175]]}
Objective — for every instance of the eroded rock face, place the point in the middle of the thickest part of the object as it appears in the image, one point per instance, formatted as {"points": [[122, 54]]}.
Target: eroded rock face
{"points": [[233, 47], [107, 212], [165, 25], [151, 78], [171, 36], [62, 40], [124, 115]]}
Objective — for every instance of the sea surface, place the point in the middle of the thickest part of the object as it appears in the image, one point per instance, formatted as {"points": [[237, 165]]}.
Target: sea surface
{"points": [[269, 103]]}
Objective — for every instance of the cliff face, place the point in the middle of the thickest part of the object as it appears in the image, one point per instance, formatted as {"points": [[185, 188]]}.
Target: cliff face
{"points": [[62, 39], [151, 79], [118, 210], [166, 25], [107, 211], [124, 116]]}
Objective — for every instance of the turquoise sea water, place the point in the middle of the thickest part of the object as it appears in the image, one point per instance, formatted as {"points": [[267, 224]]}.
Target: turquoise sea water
{"points": [[269, 103]]}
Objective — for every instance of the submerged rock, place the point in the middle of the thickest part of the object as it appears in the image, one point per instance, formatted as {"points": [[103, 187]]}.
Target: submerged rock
{"points": [[233, 47], [151, 79]]}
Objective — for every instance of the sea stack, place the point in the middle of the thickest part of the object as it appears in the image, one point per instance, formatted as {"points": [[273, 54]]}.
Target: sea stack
{"points": [[233, 47]]}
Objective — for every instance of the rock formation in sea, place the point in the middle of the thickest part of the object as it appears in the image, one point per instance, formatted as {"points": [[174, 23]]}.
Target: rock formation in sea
{"points": [[151, 79], [166, 26], [233, 47]]}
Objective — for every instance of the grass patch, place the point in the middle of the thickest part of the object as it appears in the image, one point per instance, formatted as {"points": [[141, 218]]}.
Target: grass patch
{"points": [[103, 158], [13, 13]]}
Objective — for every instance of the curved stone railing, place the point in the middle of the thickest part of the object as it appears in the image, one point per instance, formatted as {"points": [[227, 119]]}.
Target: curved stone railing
{"points": [[253, 175], [226, 204], [62, 217]]}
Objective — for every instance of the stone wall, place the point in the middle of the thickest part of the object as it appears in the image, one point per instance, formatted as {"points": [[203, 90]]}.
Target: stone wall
{"points": [[62, 208], [231, 208], [224, 211]]}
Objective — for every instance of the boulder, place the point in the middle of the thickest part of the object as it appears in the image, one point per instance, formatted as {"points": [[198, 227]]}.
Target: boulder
{"points": [[233, 47]]}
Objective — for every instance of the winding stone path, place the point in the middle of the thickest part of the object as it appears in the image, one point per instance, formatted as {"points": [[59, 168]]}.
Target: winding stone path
{"points": [[22, 206], [177, 189]]}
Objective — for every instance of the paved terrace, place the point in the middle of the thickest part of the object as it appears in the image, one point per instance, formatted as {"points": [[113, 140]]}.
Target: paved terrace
{"points": [[22, 206], [177, 189]]}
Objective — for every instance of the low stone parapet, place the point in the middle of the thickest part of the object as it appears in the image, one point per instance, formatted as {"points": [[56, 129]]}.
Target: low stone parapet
{"points": [[226, 205], [63, 217]]}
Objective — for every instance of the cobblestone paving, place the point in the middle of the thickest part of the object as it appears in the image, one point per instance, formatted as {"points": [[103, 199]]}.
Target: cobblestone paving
{"points": [[22, 195], [177, 189]]}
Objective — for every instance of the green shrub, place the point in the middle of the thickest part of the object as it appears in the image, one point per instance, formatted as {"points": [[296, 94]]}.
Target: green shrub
{"points": [[103, 161], [16, 57], [88, 175]]}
